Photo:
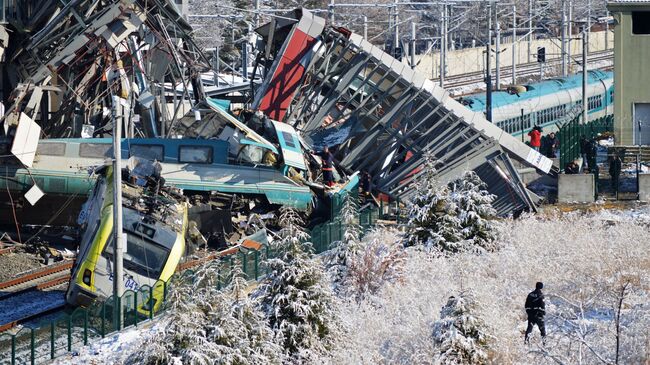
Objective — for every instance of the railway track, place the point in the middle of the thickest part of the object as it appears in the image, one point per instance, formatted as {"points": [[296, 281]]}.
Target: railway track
{"points": [[525, 69], [41, 278], [24, 298]]}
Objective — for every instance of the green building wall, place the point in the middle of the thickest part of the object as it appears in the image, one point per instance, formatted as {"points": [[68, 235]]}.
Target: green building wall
{"points": [[631, 69]]}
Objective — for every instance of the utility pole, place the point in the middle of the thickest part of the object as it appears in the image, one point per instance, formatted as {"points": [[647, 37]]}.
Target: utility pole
{"points": [[488, 72], [564, 54], [530, 28], [570, 36], [413, 25], [585, 42], [118, 248], [365, 27], [257, 14], [497, 48], [396, 25], [330, 11], [443, 45], [607, 32], [514, 45]]}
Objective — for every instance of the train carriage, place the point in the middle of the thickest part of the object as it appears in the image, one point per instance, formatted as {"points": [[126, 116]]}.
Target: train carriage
{"points": [[154, 227], [518, 109]]}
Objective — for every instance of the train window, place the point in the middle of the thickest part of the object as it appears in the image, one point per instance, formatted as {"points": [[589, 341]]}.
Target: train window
{"points": [[96, 150], [641, 22], [195, 154], [288, 139], [594, 102], [149, 152], [142, 256], [51, 149]]}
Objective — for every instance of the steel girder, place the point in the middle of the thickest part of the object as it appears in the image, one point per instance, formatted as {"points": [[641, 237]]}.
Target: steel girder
{"points": [[390, 117]]}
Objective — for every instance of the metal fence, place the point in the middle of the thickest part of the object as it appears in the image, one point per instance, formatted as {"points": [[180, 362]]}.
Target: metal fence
{"points": [[570, 134], [69, 332]]}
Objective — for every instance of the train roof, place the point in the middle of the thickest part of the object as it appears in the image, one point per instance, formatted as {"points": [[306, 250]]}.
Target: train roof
{"points": [[477, 102]]}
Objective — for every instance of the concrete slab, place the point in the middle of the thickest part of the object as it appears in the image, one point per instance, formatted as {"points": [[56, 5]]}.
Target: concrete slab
{"points": [[644, 187], [578, 188]]}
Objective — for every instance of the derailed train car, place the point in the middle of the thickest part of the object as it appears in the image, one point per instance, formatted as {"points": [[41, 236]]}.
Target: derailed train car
{"points": [[155, 222]]}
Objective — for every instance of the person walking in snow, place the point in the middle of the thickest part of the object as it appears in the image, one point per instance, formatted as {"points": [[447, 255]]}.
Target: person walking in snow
{"points": [[535, 309]]}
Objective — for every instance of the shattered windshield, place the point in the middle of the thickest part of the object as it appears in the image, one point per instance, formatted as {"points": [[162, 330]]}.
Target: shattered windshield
{"points": [[142, 255]]}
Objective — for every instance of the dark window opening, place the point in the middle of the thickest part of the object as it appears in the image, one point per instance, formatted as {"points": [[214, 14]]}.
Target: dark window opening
{"points": [[288, 139], [641, 22]]}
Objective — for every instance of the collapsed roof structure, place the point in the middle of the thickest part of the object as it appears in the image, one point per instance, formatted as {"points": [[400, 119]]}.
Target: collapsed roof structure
{"points": [[64, 60], [339, 90]]}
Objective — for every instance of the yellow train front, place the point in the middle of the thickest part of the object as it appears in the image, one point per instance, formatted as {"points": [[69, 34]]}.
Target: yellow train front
{"points": [[155, 244]]}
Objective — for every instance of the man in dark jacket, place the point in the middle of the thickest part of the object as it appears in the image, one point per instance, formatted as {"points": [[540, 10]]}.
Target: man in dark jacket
{"points": [[552, 144], [327, 161], [535, 309], [615, 166]]}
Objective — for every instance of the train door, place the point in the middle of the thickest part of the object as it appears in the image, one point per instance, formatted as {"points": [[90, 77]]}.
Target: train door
{"points": [[641, 123]]}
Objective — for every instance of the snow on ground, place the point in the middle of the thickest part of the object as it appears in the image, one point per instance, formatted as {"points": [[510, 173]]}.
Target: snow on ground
{"points": [[576, 255], [114, 349], [569, 254]]}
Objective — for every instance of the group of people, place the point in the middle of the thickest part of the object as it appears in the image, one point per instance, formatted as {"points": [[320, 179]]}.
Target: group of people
{"points": [[547, 145]]}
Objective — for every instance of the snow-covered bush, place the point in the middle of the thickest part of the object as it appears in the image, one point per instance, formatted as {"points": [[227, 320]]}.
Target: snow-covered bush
{"points": [[578, 257], [338, 258], [380, 260], [295, 296], [459, 336], [450, 218], [205, 325]]}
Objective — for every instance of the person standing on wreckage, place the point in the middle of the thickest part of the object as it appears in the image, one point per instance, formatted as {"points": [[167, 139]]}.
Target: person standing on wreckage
{"points": [[327, 166]]}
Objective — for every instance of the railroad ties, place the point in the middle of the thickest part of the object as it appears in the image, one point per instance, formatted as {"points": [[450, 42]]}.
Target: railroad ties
{"points": [[24, 298]]}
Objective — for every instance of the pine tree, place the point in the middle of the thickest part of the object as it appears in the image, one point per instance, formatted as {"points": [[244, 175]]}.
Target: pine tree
{"points": [[341, 253], [460, 337], [474, 208], [451, 218], [431, 211], [295, 297]]}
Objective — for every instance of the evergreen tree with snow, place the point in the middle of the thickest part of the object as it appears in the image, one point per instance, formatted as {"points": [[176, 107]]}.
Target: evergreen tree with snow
{"points": [[341, 253], [453, 217], [474, 208], [459, 337], [205, 325], [295, 296]]}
